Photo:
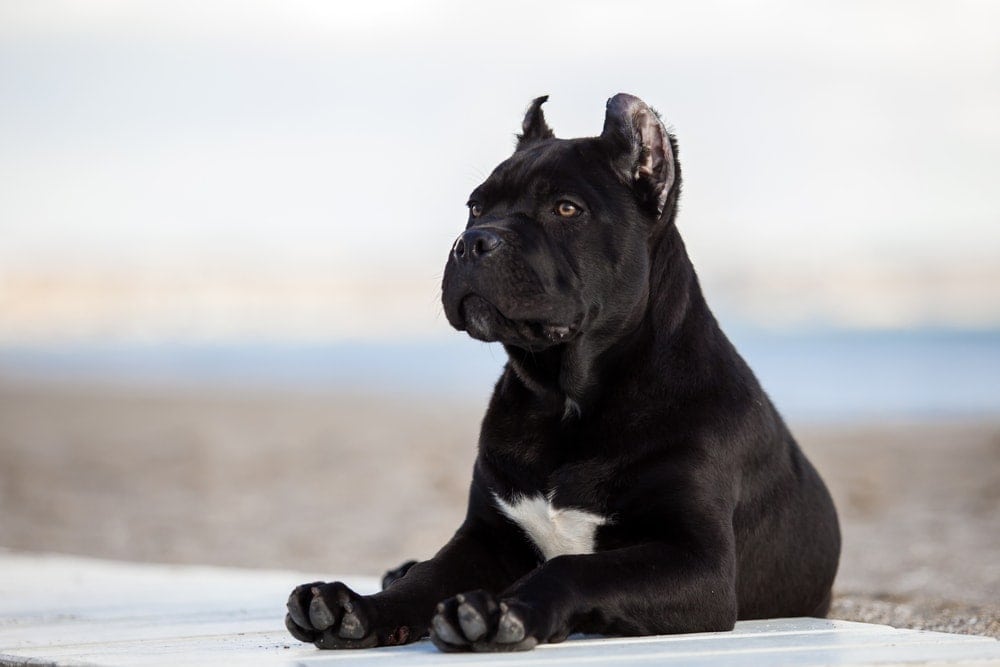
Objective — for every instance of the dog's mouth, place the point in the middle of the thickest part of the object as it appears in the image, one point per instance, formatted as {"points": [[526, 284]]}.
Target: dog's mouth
{"points": [[484, 321]]}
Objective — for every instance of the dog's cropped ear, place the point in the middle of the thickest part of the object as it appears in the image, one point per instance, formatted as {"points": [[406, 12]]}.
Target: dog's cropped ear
{"points": [[641, 145], [534, 128]]}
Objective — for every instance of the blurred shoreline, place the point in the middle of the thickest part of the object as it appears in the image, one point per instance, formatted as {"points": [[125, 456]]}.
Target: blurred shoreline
{"points": [[818, 375]]}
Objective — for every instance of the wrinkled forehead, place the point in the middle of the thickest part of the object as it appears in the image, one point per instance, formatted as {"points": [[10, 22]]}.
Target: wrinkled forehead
{"points": [[549, 168]]}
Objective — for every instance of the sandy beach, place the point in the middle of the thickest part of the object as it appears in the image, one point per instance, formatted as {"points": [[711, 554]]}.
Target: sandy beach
{"points": [[346, 483]]}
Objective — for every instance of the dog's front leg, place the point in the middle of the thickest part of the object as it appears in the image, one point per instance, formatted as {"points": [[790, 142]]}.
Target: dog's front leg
{"points": [[647, 589], [487, 553]]}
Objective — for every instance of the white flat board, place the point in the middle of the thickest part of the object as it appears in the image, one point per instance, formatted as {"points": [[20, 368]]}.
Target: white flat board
{"points": [[62, 610]]}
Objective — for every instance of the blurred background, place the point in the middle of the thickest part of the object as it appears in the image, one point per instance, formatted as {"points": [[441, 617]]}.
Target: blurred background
{"points": [[223, 227]]}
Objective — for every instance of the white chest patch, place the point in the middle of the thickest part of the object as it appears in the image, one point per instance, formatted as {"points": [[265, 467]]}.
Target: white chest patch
{"points": [[556, 532]]}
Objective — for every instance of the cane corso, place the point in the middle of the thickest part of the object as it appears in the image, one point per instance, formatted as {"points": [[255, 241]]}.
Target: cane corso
{"points": [[632, 477]]}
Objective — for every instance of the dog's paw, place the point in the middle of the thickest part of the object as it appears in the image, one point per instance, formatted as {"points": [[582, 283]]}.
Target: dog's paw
{"points": [[392, 576], [330, 616], [477, 622]]}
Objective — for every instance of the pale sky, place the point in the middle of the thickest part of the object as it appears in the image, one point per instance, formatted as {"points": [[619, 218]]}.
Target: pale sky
{"points": [[343, 138]]}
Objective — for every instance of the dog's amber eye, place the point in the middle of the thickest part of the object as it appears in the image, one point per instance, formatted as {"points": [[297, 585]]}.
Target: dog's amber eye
{"points": [[568, 209], [475, 210]]}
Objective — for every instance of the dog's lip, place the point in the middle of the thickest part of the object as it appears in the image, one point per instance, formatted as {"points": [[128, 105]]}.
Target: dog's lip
{"points": [[470, 310], [529, 329]]}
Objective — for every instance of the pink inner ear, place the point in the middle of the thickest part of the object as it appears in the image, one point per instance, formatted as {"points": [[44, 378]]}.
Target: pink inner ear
{"points": [[655, 161], [631, 120]]}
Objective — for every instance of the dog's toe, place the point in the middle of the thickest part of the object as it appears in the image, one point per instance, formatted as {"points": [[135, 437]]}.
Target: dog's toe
{"points": [[298, 606], [353, 625], [510, 627], [300, 633], [477, 612], [471, 621], [446, 631], [511, 633], [320, 615]]}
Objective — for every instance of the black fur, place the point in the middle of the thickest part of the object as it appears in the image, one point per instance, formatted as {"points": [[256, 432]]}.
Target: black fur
{"points": [[622, 398]]}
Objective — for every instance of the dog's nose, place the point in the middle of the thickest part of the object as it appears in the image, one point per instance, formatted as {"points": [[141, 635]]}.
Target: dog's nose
{"points": [[473, 244]]}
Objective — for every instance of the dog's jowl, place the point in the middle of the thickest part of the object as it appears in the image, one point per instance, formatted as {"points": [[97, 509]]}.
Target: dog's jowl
{"points": [[633, 478]]}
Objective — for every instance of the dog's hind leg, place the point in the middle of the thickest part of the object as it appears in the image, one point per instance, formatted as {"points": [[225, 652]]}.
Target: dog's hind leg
{"points": [[824, 607], [394, 575]]}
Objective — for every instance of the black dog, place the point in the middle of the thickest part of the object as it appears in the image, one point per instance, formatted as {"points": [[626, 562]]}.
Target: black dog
{"points": [[633, 478]]}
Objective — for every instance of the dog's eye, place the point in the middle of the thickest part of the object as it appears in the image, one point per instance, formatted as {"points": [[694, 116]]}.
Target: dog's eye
{"points": [[568, 209], [475, 209]]}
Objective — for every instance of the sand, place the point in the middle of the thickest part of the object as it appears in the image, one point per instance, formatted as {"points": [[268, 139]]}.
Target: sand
{"points": [[347, 483]]}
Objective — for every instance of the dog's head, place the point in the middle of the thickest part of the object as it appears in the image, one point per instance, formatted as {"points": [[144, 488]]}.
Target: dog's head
{"points": [[558, 237]]}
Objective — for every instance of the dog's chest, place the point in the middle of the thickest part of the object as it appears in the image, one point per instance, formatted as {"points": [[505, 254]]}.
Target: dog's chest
{"points": [[556, 531]]}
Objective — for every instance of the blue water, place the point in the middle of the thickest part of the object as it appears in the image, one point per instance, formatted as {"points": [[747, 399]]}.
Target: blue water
{"points": [[827, 375]]}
